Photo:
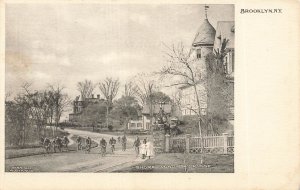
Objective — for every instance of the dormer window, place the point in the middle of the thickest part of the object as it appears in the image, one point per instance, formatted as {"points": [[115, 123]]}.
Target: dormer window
{"points": [[198, 53]]}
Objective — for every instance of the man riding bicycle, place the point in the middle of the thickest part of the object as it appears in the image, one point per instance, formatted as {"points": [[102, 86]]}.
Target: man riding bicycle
{"points": [[47, 144], [112, 143], [88, 145], [79, 145], [124, 140], [57, 144], [103, 146], [66, 142]]}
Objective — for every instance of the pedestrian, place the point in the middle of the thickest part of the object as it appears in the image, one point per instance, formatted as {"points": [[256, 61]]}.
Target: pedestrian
{"points": [[149, 149], [136, 145], [143, 149]]}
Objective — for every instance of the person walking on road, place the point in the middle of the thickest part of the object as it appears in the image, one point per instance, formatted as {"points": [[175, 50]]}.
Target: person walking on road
{"points": [[143, 150], [136, 145], [149, 149]]}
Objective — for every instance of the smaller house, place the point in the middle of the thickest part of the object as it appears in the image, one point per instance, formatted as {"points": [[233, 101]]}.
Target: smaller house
{"points": [[147, 111]]}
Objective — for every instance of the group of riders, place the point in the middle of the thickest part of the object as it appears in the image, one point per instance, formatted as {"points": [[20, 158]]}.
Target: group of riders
{"points": [[103, 144], [56, 144]]}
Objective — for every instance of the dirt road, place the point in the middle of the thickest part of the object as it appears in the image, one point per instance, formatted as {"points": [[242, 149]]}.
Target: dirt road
{"points": [[77, 161]]}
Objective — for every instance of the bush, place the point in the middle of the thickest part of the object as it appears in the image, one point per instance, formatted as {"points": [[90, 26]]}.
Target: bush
{"points": [[110, 127]]}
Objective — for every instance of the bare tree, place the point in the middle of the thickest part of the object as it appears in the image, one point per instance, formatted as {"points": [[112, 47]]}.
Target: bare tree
{"points": [[38, 104], [109, 89], [59, 101], [145, 87], [85, 88], [130, 89], [183, 70]]}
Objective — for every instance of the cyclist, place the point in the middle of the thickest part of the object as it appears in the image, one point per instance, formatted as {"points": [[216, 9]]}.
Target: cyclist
{"points": [[88, 143], [124, 140], [103, 146], [79, 145], [112, 143], [66, 142]]}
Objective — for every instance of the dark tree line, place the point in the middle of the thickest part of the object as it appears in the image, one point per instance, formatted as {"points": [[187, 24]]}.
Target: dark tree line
{"points": [[33, 111]]}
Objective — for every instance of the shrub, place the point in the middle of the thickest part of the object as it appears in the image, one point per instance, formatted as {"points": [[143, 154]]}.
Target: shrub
{"points": [[110, 127]]}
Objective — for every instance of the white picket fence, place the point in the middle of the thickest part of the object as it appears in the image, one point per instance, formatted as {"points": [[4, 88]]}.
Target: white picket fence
{"points": [[215, 144]]}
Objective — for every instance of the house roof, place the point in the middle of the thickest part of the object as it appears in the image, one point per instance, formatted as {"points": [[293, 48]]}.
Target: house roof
{"points": [[156, 108], [205, 34], [225, 30]]}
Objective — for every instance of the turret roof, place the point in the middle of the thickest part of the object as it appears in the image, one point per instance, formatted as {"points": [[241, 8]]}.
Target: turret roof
{"points": [[205, 34]]}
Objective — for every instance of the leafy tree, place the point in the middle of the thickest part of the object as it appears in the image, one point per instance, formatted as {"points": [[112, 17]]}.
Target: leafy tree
{"points": [[17, 120], [125, 108], [159, 97], [93, 113], [219, 88]]}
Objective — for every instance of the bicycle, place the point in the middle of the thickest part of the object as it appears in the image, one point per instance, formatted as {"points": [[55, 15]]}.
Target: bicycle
{"points": [[103, 150], [79, 146], [112, 148], [88, 148]]}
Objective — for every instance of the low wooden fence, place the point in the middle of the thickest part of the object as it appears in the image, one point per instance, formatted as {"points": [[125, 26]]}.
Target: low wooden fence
{"points": [[207, 144]]}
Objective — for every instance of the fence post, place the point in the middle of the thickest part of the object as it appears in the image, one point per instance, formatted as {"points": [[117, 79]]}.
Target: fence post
{"points": [[225, 136], [167, 143], [187, 143]]}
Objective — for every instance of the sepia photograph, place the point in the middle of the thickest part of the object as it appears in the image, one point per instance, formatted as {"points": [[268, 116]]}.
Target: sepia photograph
{"points": [[119, 88]]}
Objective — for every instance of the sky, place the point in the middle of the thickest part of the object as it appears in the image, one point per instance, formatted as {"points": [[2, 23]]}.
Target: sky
{"points": [[67, 43]]}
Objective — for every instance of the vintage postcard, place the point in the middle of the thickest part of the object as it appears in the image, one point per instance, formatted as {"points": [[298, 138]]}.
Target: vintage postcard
{"points": [[122, 90]]}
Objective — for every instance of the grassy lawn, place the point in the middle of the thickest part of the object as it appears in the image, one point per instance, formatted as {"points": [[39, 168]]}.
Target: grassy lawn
{"points": [[180, 163]]}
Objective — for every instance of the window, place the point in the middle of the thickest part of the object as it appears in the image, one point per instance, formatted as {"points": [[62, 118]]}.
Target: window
{"points": [[147, 125], [198, 53]]}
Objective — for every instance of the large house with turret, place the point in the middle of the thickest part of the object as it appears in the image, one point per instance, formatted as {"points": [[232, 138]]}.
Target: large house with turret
{"points": [[206, 40]]}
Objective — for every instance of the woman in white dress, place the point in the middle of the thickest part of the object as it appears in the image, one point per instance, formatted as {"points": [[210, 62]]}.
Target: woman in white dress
{"points": [[143, 150], [149, 149]]}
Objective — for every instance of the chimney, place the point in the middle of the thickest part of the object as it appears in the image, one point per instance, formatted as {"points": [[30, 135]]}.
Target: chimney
{"points": [[92, 95], [98, 96]]}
